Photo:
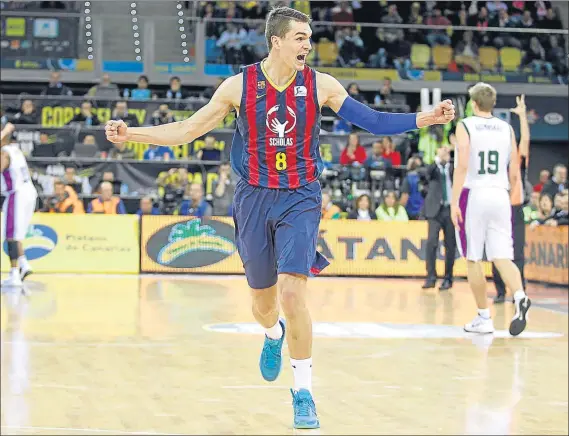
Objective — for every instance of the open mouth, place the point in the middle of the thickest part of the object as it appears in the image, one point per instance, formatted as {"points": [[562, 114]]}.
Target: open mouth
{"points": [[301, 58]]}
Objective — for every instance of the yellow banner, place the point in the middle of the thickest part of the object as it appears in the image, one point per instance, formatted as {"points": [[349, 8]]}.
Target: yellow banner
{"points": [[185, 244], [80, 244], [546, 254]]}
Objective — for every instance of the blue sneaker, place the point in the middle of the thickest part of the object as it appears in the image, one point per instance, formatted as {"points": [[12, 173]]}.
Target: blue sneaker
{"points": [[271, 361], [304, 410]]}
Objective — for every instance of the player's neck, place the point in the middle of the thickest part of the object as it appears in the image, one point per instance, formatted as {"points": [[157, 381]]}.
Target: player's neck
{"points": [[483, 114], [278, 72]]}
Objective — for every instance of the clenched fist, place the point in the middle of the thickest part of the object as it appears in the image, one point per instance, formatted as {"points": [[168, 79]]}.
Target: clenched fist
{"points": [[116, 131], [443, 112]]}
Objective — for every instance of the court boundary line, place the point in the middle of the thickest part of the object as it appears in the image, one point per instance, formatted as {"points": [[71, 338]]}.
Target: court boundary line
{"points": [[74, 429]]}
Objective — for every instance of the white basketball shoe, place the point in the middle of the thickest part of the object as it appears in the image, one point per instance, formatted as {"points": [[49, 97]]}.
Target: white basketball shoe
{"points": [[480, 325]]}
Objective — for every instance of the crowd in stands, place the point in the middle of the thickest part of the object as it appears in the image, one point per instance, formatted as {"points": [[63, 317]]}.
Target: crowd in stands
{"points": [[341, 40]]}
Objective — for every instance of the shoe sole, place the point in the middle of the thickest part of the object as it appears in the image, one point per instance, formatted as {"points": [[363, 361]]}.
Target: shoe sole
{"points": [[307, 426], [479, 333], [519, 324], [26, 274]]}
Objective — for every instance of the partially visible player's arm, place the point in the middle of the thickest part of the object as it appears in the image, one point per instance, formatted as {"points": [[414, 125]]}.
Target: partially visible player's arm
{"points": [[4, 161], [514, 170], [7, 130], [204, 120], [462, 154], [332, 93], [520, 111]]}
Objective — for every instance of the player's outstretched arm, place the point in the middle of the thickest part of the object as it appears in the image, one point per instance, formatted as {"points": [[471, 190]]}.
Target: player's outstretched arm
{"points": [[182, 132], [462, 154], [514, 170], [7, 130], [332, 93], [521, 111]]}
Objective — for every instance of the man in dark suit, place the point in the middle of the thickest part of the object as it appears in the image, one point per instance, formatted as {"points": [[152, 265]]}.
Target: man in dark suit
{"points": [[437, 211]]}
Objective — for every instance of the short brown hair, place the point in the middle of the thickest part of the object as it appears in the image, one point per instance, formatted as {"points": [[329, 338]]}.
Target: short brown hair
{"points": [[484, 96], [278, 22]]}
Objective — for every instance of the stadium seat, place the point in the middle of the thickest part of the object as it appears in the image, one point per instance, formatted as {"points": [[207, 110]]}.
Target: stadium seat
{"points": [[442, 56], [488, 58], [511, 58], [420, 56], [327, 52]]}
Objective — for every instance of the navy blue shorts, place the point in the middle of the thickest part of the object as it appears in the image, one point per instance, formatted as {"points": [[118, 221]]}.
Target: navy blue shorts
{"points": [[276, 231]]}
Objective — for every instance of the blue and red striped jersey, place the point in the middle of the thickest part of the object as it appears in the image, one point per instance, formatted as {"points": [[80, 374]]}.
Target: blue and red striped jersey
{"points": [[275, 144]]}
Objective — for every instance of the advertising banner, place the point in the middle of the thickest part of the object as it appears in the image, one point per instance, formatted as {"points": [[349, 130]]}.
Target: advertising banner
{"points": [[354, 248], [547, 254], [80, 244]]}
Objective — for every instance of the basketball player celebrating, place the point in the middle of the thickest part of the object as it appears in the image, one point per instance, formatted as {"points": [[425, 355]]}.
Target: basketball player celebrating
{"points": [[277, 203], [18, 207], [486, 166]]}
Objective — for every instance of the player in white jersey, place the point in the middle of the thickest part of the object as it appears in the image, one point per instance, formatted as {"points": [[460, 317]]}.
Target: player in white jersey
{"points": [[481, 210], [18, 208]]}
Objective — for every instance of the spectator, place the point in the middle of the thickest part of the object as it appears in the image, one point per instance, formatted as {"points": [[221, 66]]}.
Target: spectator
{"points": [[107, 203], [158, 152], [392, 35], [231, 41], [411, 195], [505, 39], [120, 151], [27, 114], [362, 211], [386, 92], [535, 57], [354, 92], [550, 21], [257, 43], [64, 200], [466, 53], [561, 216], [546, 210], [389, 152], [55, 87], [329, 210], [70, 179], [415, 36], [86, 117], [342, 13], [494, 7], [354, 152], [437, 37], [147, 207], [543, 180], [118, 186], [162, 116], [141, 92], [376, 159], [558, 182], [121, 113], [175, 92], [223, 191], [531, 210], [390, 209], [105, 89], [194, 203], [209, 152]]}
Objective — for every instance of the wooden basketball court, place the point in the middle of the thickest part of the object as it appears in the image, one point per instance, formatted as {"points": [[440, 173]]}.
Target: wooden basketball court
{"points": [[93, 354]]}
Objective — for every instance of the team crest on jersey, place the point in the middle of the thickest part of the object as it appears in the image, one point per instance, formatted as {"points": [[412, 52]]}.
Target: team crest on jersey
{"points": [[261, 84], [281, 127]]}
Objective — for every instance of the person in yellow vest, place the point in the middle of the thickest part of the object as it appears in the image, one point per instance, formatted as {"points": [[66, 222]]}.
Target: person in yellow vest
{"points": [[64, 200], [107, 203], [329, 210]]}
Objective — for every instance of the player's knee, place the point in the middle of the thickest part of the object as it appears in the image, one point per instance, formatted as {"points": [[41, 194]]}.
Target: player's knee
{"points": [[292, 293], [264, 301]]}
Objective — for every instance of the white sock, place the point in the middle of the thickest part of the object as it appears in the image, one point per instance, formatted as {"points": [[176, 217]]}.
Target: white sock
{"points": [[275, 332], [302, 374], [15, 272], [518, 295], [23, 263], [484, 313]]}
